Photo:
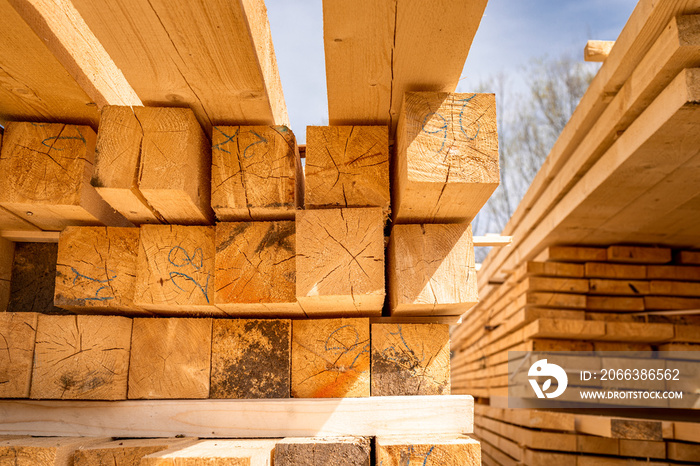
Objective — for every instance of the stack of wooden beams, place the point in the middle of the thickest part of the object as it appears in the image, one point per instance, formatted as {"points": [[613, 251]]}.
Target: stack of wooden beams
{"points": [[604, 243]]}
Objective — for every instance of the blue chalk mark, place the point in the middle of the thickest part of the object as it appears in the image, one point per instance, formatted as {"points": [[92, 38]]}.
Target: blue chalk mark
{"points": [[57, 138], [461, 112], [96, 297], [203, 289], [261, 140], [196, 260], [399, 333], [226, 141], [443, 128], [425, 461], [346, 349]]}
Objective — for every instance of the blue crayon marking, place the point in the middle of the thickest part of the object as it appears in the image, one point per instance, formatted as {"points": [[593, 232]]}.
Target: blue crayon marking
{"points": [[346, 349], [261, 140], [174, 275], [461, 112], [57, 138], [227, 140], [196, 260], [96, 297], [443, 128]]}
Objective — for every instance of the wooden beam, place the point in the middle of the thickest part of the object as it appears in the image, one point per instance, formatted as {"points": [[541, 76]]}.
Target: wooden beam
{"points": [[446, 157], [597, 50], [492, 240], [241, 418], [249, 452], [36, 86], [70, 40], [42, 450], [448, 450], [218, 60], [18, 332], [256, 173], [318, 450], [124, 452], [611, 427]]}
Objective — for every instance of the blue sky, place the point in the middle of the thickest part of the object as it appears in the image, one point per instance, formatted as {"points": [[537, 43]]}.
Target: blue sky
{"points": [[512, 33]]}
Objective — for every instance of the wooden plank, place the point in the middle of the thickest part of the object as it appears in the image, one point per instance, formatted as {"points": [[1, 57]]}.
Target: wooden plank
{"points": [[251, 358], [70, 40], [572, 254], [170, 358], [670, 288], [670, 303], [255, 269], [620, 428], [604, 286], [315, 450], [530, 418], [124, 452], [589, 134], [389, 50], [340, 262], [36, 86], [33, 235], [643, 449], [615, 303], [673, 272], [217, 60], [43, 450], [410, 359], [33, 278], [81, 358], [492, 240], [597, 50], [242, 418], [678, 451], [639, 255], [48, 167], [10, 223], [446, 163], [687, 257], [175, 268], [431, 269], [154, 164], [256, 173], [96, 269], [687, 431], [7, 256], [548, 269], [250, 452], [18, 332], [646, 332], [615, 271], [565, 329], [347, 166], [330, 358], [461, 450]]}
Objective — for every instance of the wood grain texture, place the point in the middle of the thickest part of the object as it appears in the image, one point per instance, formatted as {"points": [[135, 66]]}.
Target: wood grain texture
{"points": [[175, 270], [340, 261], [318, 451], [251, 358], [410, 359], [255, 269], [124, 452], [7, 256], [446, 162], [96, 269], [448, 450], [639, 254], [33, 278], [597, 50], [35, 86], [170, 358], [46, 451], [216, 58], [431, 269], [242, 418], [48, 167], [81, 358], [330, 358], [256, 173], [347, 166], [18, 333], [250, 452]]}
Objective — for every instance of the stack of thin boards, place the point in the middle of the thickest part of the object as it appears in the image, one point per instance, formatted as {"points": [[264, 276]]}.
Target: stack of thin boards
{"points": [[524, 436], [620, 298], [180, 308]]}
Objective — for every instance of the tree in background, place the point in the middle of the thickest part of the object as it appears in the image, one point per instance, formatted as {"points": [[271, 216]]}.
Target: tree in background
{"points": [[529, 124]]}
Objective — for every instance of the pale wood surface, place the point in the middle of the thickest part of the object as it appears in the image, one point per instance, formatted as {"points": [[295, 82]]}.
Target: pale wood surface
{"points": [[255, 269], [340, 261], [341, 451], [448, 450], [175, 269], [44, 451], [96, 268], [330, 358], [218, 60], [431, 269], [70, 40], [170, 358], [7, 255], [446, 162], [36, 87], [410, 359], [250, 452], [347, 166], [81, 357], [242, 418], [48, 167], [18, 333], [251, 358], [256, 173], [125, 452], [597, 50]]}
